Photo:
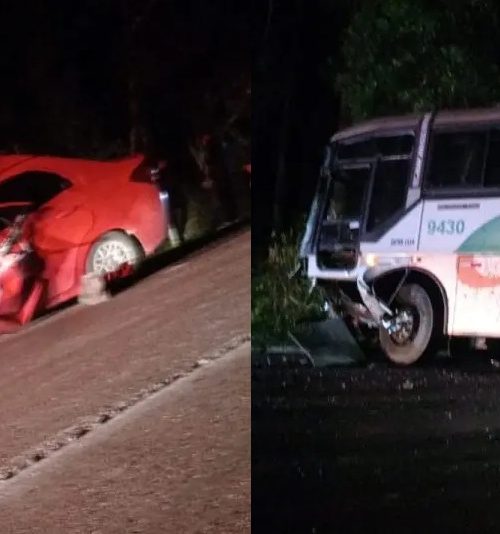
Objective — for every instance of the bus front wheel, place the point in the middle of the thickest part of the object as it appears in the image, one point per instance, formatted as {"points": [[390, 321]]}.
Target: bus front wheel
{"points": [[411, 332]]}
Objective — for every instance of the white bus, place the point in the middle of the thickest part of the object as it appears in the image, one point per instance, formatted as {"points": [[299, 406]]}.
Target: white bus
{"points": [[404, 230]]}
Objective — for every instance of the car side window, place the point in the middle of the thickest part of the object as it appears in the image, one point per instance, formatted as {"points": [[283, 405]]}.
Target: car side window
{"points": [[37, 188]]}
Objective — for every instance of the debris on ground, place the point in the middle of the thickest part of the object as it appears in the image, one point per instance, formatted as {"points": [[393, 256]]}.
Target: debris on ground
{"points": [[407, 385], [93, 290]]}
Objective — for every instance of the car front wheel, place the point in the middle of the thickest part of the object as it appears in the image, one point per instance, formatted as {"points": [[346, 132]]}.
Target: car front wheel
{"points": [[112, 252]]}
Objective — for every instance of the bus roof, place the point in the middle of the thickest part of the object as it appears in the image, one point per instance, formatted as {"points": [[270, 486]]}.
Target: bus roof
{"points": [[407, 122]]}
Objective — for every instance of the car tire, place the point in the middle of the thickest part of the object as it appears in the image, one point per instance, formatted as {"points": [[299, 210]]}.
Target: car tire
{"points": [[112, 251], [415, 299]]}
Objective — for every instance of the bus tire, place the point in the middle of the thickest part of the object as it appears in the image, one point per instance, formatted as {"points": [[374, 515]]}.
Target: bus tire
{"points": [[409, 347]]}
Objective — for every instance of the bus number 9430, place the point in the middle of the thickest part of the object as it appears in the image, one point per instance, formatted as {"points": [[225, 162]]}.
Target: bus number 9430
{"points": [[446, 227]]}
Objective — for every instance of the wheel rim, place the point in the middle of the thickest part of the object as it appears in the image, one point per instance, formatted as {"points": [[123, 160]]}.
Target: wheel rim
{"points": [[111, 255], [404, 326]]}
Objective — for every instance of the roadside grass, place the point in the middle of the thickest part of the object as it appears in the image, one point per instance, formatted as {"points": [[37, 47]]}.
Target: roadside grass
{"points": [[200, 217], [282, 303]]}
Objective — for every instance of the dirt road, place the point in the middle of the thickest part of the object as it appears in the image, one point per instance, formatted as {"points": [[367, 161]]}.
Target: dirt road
{"points": [[66, 370], [170, 464]]}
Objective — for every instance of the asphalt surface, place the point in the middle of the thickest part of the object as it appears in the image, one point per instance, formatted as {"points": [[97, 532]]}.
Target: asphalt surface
{"points": [[376, 449], [168, 464], [68, 368]]}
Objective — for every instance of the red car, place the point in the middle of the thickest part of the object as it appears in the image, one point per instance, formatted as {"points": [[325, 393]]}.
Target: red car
{"points": [[78, 216]]}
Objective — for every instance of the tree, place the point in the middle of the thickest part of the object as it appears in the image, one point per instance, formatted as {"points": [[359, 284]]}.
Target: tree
{"points": [[402, 56]]}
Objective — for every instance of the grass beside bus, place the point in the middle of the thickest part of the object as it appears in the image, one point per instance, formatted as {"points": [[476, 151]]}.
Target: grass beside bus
{"points": [[281, 303]]}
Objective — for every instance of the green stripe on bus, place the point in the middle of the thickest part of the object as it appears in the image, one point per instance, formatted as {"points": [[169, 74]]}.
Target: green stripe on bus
{"points": [[485, 238]]}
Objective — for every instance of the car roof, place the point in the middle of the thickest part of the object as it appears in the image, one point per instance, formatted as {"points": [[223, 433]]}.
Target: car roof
{"points": [[443, 118], [76, 169]]}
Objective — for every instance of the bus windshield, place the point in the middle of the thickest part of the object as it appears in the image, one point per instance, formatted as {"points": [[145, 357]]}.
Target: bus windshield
{"points": [[347, 194]]}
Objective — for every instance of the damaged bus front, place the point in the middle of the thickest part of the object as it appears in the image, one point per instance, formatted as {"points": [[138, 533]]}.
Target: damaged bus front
{"points": [[403, 230]]}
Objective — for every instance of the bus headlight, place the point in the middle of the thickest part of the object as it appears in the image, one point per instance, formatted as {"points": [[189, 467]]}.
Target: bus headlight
{"points": [[371, 260]]}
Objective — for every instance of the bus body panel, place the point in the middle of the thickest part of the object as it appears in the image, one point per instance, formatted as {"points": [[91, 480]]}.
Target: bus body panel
{"points": [[464, 233]]}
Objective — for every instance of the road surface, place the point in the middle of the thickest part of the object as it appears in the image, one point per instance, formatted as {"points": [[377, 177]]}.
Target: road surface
{"points": [[64, 375], [376, 449], [169, 464]]}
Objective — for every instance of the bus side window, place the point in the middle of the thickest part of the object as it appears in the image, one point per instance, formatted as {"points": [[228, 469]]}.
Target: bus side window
{"points": [[456, 159], [389, 192], [492, 171]]}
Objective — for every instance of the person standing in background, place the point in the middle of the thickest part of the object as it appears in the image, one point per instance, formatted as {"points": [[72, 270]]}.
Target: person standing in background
{"points": [[220, 176]]}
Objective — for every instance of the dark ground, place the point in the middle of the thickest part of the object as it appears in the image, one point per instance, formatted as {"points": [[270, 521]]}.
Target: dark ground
{"points": [[376, 449]]}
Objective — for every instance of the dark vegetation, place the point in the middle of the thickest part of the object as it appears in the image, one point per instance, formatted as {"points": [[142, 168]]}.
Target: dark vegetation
{"points": [[322, 64], [98, 78], [107, 78], [281, 300]]}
